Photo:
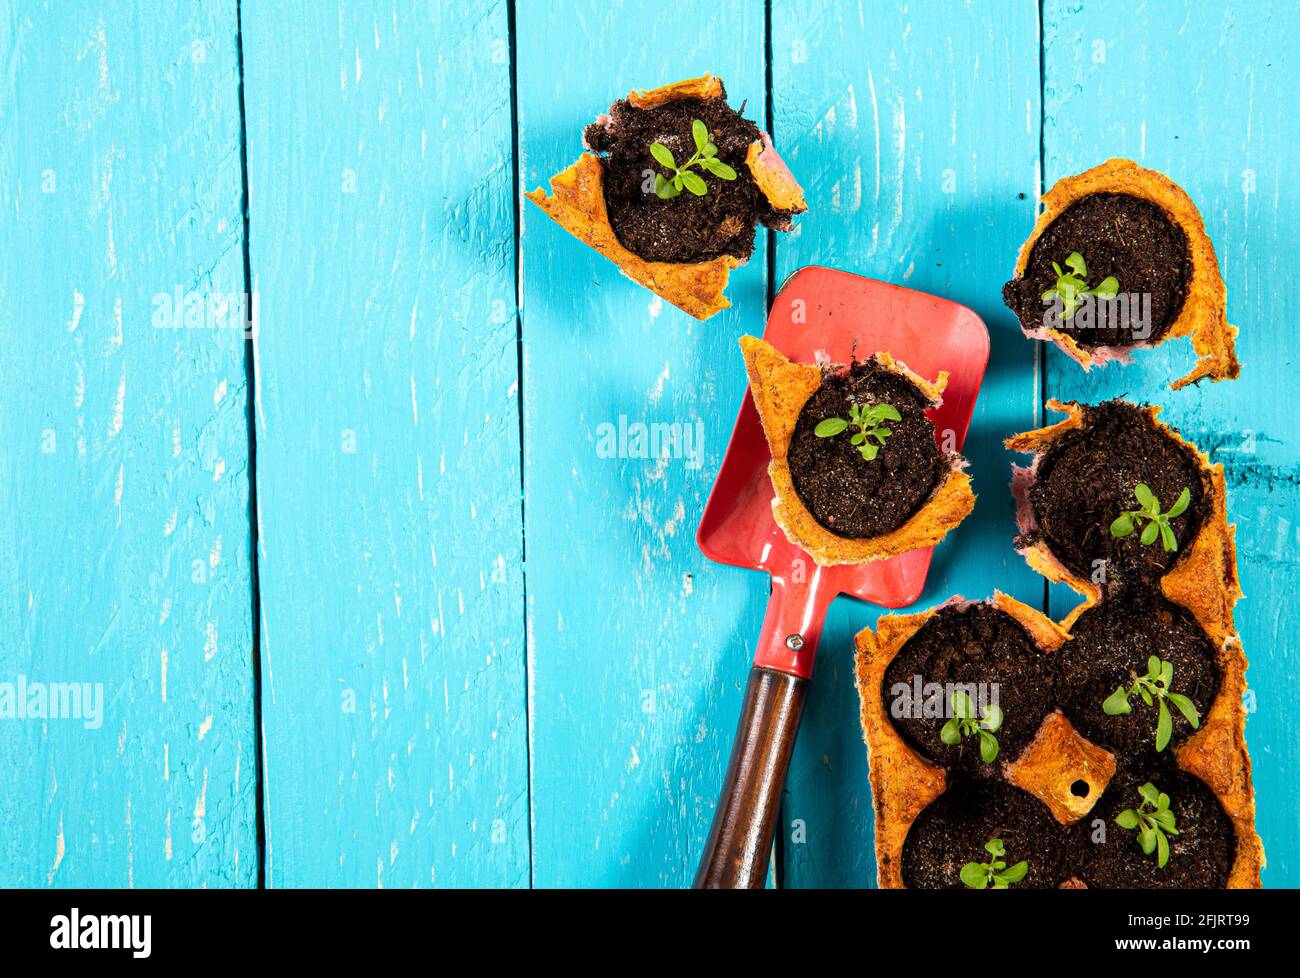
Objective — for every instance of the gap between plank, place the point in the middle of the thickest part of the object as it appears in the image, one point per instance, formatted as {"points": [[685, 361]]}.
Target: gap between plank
{"points": [[250, 388], [517, 204], [769, 116], [1041, 348]]}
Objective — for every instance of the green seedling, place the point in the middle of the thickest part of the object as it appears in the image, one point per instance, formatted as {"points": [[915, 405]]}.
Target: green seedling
{"points": [[1157, 523], [706, 158], [870, 424], [995, 873], [1154, 690], [1072, 286], [1153, 820], [963, 724]]}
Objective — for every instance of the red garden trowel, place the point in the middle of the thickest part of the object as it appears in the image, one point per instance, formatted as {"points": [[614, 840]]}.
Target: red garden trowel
{"points": [[818, 314]]}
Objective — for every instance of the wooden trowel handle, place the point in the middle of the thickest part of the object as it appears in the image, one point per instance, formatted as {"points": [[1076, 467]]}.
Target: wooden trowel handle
{"points": [[740, 841]]}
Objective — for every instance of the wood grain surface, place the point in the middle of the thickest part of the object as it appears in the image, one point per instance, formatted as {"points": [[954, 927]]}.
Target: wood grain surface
{"points": [[1200, 93], [916, 134], [638, 647], [370, 598], [382, 250], [123, 449]]}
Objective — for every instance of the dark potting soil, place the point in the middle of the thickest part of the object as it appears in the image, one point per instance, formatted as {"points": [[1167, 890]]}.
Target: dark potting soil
{"points": [[1118, 235], [1095, 850], [977, 644], [1113, 641], [953, 829], [1087, 478], [685, 228], [1200, 855], [847, 494]]}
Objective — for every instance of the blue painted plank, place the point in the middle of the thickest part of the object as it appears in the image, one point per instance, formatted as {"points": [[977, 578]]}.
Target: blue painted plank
{"points": [[382, 246], [1204, 95], [916, 134], [393, 619], [638, 645], [123, 449]]}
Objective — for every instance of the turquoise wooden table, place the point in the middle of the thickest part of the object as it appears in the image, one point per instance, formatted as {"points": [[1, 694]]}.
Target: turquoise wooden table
{"points": [[367, 604]]}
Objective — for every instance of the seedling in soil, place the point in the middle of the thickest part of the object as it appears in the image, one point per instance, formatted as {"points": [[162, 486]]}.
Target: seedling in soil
{"points": [[995, 873], [1154, 690], [870, 424], [1157, 523], [963, 724], [1072, 286], [706, 158], [1152, 819]]}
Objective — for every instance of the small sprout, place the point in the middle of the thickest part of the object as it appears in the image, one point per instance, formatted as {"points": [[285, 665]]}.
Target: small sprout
{"points": [[706, 158], [1153, 820], [995, 873], [1157, 522], [963, 724], [1154, 690], [1072, 286], [870, 424]]}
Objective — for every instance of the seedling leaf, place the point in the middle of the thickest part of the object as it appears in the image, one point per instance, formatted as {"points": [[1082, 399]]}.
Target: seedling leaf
{"points": [[867, 421], [1072, 286], [995, 873], [950, 734], [1117, 703], [966, 723], [962, 707], [1155, 689], [1180, 504], [992, 718], [663, 154], [1107, 288], [1164, 727], [988, 747], [694, 184], [1016, 873], [1186, 707], [682, 176], [1167, 538], [1157, 523], [719, 169], [1154, 822], [701, 134]]}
